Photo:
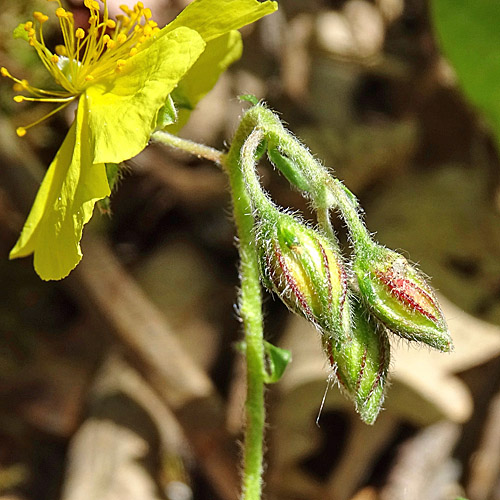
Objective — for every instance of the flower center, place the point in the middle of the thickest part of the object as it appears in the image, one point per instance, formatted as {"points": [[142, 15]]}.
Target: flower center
{"points": [[85, 56]]}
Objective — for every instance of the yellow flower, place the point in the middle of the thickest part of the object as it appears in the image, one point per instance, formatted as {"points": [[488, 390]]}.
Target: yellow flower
{"points": [[122, 73]]}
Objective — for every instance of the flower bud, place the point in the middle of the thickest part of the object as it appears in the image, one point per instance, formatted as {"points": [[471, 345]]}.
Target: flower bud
{"points": [[361, 367], [302, 267], [400, 297]]}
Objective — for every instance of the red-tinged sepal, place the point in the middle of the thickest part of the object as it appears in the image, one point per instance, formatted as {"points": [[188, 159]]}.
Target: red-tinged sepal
{"points": [[400, 297], [361, 366], [303, 268]]}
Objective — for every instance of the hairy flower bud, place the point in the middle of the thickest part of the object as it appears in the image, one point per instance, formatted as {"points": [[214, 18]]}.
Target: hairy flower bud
{"points": [[400, 297], [361, 367], [302, 267]]}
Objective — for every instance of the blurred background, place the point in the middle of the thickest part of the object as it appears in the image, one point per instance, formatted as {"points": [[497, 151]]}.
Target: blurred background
{"points": [[124, 382]]}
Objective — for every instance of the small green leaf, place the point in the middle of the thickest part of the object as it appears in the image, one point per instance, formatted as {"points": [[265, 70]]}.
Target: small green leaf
{"points": [[20, 32], [278, 360]]}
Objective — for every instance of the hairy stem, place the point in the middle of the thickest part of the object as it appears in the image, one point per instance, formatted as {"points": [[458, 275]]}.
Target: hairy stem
{"points": [[199, 150], [250, 301]]}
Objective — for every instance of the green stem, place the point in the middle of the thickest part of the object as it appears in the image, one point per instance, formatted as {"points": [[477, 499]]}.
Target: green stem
{"points": [[325, 191], [251, 315], [199, 150], [349, 209], [250, 301]]}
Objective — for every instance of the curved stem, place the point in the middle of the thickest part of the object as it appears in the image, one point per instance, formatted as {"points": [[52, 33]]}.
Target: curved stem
{"points": [[325, 191]]}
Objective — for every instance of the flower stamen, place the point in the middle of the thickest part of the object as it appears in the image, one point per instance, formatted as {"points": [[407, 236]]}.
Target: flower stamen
{"points": [[86, 56]]}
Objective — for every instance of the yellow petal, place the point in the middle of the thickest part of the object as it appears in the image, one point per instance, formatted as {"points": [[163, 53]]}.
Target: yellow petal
{"points": [[63, 205]]}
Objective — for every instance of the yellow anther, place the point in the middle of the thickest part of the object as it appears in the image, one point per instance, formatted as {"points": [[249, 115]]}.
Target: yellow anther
{"points": [[80, 33], [20, 86], [61, 50], [111, 24], [139, 5], [31, 33], [153, 24], [122, 37], [4, 71], [18, 98], [21, 131], [111, 44], [41, 18], [55, 59], [106, 38], [89, 78], [125, 9], [133, 52], [147, 13], [28, 25], [143, 38], [148, 30], [120, 64], [137, 28], [60, 12], [155, 30], [91, 4]]}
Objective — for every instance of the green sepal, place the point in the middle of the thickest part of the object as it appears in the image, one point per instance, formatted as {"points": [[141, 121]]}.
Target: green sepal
{"points": [[400, 297], [20, 32], [277, 361], [249, 98], [288, 168], [112, 174], [361, 366], [167, 114], [181, 100]]}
